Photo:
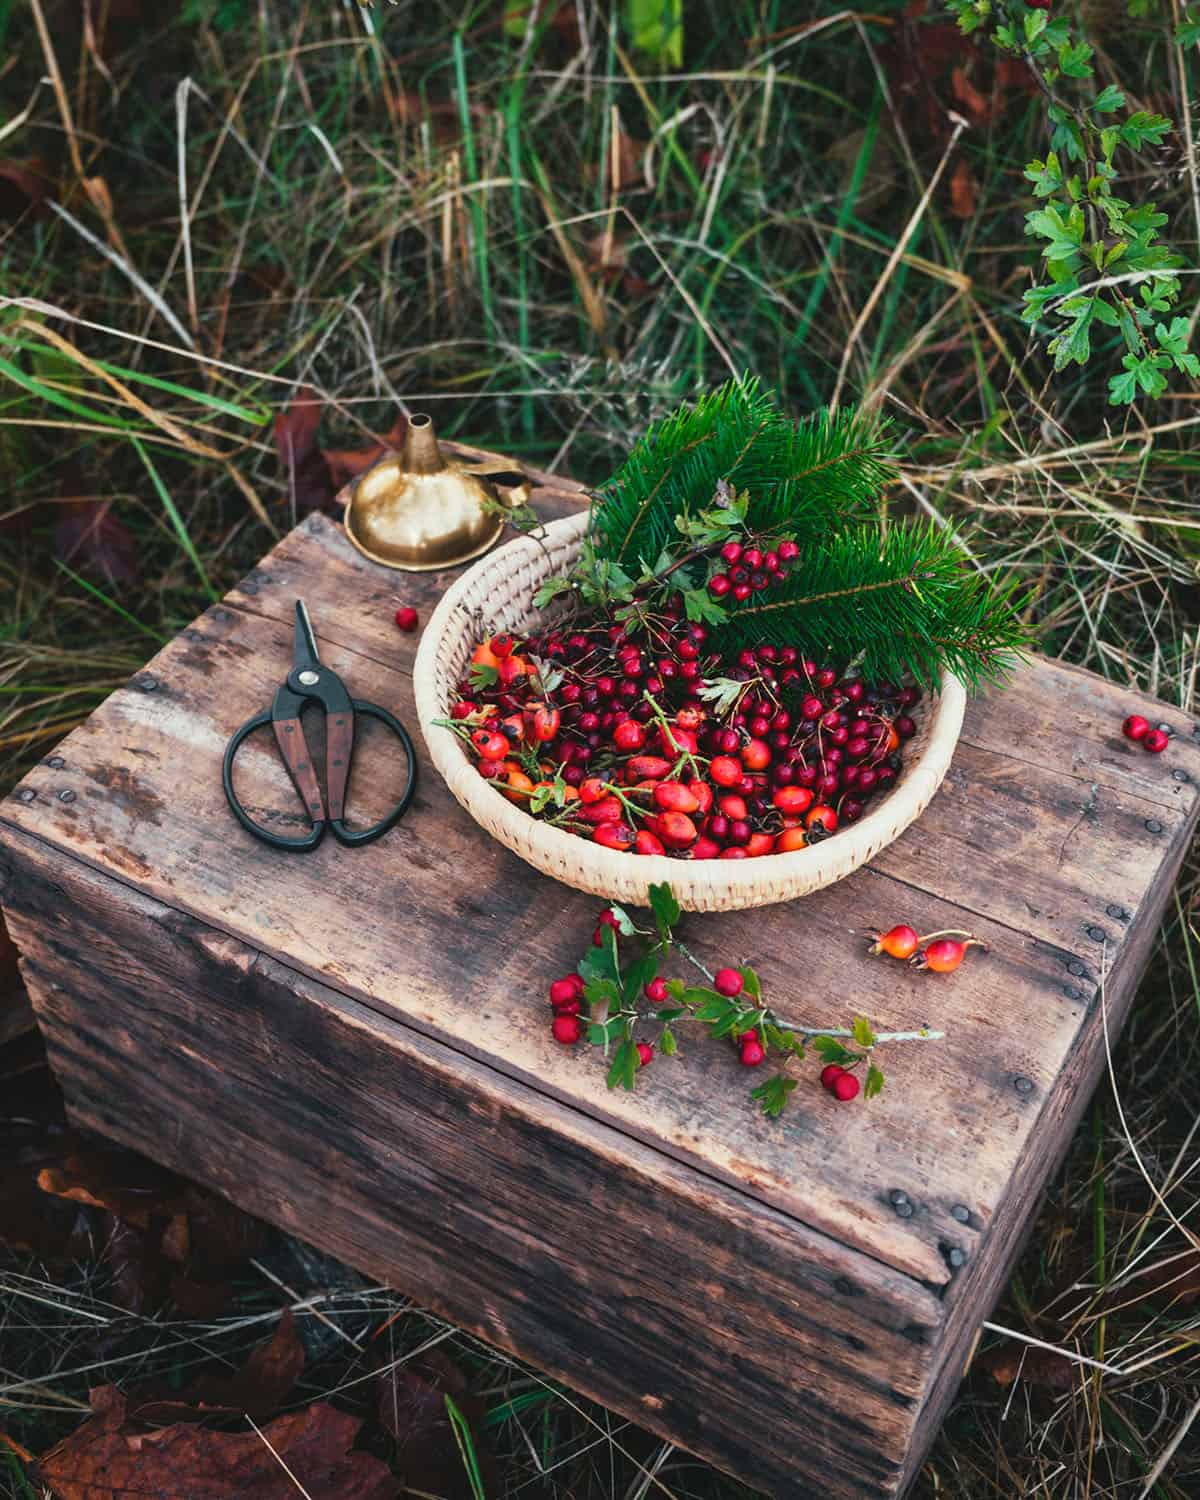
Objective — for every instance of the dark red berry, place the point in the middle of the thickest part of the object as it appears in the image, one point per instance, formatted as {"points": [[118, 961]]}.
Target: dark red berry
{"points": [[645, 1054], [1156, 741], [845, 1088], [407, 618], [830, 1074], [728, 982], [752, 1054], [718, 585], [656, 990], [1135, 727]]}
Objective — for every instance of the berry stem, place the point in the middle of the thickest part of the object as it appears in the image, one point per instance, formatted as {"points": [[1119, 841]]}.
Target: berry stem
{"points": [[954, 932], [921, 1035]]}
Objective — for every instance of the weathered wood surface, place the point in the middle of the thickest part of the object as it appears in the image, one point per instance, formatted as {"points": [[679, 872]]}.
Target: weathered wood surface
{"points": [[1053, 838], [672, 1297]]}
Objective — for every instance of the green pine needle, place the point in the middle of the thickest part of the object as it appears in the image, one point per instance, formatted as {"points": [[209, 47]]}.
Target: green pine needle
{"points": [[807, 477], [898, 602], [901, 603]]}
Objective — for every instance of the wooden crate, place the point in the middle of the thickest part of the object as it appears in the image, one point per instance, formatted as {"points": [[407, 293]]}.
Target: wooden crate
{"points": [[354, 1043]]}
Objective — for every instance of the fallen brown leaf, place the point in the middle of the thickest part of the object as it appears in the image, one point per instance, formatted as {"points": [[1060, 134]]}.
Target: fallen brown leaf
{"points": [[1044, 1367], [1176, 1279], [91, 538], [24, 188], [112, 1458], [964, 190], [122, 1182], [310, 485], [345, 463], [412, 1406], [262, 1385]]}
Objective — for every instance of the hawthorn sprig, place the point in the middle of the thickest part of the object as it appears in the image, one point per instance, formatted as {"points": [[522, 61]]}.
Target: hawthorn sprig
{"points": [[618, 980], [1105, 265]]}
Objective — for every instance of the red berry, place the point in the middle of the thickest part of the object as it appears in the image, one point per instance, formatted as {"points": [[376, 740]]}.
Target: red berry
{"points": [[728, 982], [629, 736], [1135, 727], [656, 990], [830, 1075], [1156, 741], [787, 551], [731, 552], [752, 1054], [501, 646], [845, 1088], [645, 1054], [407, 618], [567, 1029], [564, 990], [718, 585], [897, 942]]}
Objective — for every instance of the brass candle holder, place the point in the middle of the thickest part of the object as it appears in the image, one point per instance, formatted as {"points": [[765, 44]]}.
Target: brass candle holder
{"points": [[417, 510]]}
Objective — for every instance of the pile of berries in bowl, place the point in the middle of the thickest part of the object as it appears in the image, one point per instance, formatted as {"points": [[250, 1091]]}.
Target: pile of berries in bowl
{"points": [[616, 749], [639, 737]]}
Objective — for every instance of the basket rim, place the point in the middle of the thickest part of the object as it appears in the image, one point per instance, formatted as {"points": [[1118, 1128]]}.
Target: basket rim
{"points": [[806, 867]]}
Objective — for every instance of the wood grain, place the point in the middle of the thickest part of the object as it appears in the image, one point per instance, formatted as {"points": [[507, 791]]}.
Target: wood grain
{"points": [[1053, 838], [680, 1302]]}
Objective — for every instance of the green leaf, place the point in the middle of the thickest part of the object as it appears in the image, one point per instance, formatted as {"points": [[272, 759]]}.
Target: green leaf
{"points": [[1035, 22], [832, 1051], [1064, 232], [700, 606], [482, 676], [773, 1094], [874, 1082], [1075, 59], [550, 589], [714, 1010], [666, 909], [1109, 99], [861, 1029], [626, 924], [1144, 129], [600, 961], [637, 976], [751, 982], [624, 1067], [667, 1043]]}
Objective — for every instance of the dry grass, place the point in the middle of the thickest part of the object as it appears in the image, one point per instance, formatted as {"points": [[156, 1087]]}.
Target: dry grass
{"points": [[255, 201]]}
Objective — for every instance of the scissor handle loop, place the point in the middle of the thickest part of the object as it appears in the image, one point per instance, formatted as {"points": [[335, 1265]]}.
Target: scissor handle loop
{"points": [[352, 838], [366, 835], [305, 841]]}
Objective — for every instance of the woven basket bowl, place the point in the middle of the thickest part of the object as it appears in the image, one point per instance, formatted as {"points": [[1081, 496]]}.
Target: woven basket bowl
{"points": [[496, 595]]}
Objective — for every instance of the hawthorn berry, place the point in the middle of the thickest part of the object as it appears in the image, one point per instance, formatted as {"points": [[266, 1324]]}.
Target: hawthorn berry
{"points": [[645, 1054], [564, 990], [830, 1074], [752, 1053], [655, 990], [567, 1029], [845, 1088], [728, 982], [1135, 727], [407, 618], [1156, 741]]}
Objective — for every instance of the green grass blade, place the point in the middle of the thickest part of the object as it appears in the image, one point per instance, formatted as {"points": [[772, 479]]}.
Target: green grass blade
{"points": [[466, 1448], [176, 520], [478, 213], [111, 603]]}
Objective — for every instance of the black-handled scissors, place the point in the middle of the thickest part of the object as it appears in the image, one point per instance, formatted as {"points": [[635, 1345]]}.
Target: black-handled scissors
{"points": [[309, 681]]}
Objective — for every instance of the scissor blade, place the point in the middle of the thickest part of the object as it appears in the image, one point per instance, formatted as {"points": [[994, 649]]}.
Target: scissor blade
{"points": [[304, 653]]}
